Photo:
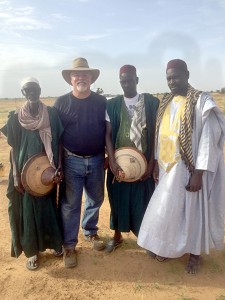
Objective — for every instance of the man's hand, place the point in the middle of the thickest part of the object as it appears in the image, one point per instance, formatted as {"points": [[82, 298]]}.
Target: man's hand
{"points": [[120, 176], [106, 163], [148, 172], [195, 182], [58, 176], [18, 184], [117, 171], [156, 172]]}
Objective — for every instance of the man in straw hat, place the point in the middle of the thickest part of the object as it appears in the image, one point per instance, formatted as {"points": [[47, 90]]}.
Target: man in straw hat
{"points": [[186, 211], [131, 123], [32, 129], [83, 115]]}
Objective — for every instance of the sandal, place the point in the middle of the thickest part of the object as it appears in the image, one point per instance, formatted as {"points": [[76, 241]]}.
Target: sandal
{"points": [[161, 258], [32, 263], [151, 254], [113, 244], [56, 253], [193, 264]]}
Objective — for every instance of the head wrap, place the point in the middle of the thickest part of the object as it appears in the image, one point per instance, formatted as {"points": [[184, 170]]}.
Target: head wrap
{"points": [[29, 79], [177, 64], [128, 69]]}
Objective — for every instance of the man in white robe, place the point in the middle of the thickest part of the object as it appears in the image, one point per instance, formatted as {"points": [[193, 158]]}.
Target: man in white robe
{"points": [[186, 211]]}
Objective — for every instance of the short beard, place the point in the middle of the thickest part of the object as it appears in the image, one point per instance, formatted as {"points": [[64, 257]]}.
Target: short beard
{"points": [[82, 88]]}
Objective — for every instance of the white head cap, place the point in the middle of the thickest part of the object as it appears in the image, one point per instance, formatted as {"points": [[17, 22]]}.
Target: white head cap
{"points": [[29, 79]]}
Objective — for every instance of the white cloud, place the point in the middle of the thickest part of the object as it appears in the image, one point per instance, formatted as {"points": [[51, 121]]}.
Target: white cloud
{"points": [[28, 10], [4, 2], [16, 19], [24, 23], [60, 17], [90, 37], [4, 15]]}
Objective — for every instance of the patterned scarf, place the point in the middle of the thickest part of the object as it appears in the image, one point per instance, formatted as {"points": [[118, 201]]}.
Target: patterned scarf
{"points": [[40, 122], [138, 122], [186, 127]]}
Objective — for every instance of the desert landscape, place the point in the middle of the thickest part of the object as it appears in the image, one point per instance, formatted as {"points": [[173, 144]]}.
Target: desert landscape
{"points": [[127, 273]]}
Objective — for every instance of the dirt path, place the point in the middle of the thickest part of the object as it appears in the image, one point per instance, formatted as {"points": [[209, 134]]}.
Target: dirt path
{"points": [[128, 273]]}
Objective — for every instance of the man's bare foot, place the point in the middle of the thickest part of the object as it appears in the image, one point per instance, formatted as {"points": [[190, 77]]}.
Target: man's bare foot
{"points": [[117, 235], [193, 264]]}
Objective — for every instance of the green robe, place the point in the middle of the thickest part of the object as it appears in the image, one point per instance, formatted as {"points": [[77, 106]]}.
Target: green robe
{"points": [[128, 201], [34, 221]]}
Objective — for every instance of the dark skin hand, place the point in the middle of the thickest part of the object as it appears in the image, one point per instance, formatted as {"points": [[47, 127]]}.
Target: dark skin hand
{"points": [[156, 172], [17, 184], [117, 171], [106, 163], [58, 177], [16, 176], [149, 171], [115, 168], [195, 182]]}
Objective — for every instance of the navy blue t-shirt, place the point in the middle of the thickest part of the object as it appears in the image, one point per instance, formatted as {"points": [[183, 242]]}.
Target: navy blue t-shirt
{"points": [[84, 123]]}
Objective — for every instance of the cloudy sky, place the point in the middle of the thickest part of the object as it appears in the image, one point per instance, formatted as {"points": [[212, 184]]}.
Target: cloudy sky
{"points": [[41, 38]]}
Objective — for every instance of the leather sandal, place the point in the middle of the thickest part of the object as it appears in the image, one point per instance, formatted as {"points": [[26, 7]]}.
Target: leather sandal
{"points": [[113, 244], [32, 263], [151, 254], [161, 258]]}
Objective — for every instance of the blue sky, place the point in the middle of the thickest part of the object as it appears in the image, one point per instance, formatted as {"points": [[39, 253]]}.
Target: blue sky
{"points": [[41, 38]]}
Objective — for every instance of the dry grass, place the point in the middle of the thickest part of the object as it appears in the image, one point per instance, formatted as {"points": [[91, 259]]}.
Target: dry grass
{"points": [[7, 105], [220, 100]]}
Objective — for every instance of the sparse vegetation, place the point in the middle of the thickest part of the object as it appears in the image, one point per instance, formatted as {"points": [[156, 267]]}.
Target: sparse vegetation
{"points": [[126, 274]]}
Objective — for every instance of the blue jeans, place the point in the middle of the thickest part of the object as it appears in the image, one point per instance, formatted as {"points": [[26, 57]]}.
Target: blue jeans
{"points": [[81, 174]]}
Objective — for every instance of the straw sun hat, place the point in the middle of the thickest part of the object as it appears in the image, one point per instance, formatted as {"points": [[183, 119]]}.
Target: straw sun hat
{"points": [[133, 163], [80, 64], [37, 175]]}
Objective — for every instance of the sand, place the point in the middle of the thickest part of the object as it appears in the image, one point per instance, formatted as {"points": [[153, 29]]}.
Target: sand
{"points": [[127, 273]]}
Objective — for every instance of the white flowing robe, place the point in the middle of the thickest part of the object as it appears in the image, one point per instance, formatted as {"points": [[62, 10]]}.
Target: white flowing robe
{"points": [[177, 221]]}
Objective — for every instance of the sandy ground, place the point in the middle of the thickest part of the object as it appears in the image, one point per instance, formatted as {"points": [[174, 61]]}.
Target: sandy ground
{"points": [[127, 273]]}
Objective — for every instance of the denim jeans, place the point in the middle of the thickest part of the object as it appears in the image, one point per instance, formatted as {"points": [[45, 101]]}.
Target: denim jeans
{"points": [[81, 174]]}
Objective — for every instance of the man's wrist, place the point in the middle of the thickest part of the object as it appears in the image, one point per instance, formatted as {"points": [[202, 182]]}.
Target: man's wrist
{"points": [[199, 172]]}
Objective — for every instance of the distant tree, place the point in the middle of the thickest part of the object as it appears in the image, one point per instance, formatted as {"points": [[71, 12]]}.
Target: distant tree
{"points": [[222, 91], [99, 91]]}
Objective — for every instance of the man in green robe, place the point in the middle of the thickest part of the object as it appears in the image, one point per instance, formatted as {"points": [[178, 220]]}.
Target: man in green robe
{"points": [[129, 200], [32, 129]]}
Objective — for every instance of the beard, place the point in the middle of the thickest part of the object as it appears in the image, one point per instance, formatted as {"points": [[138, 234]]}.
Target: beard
{"points": [[82, 88]]}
